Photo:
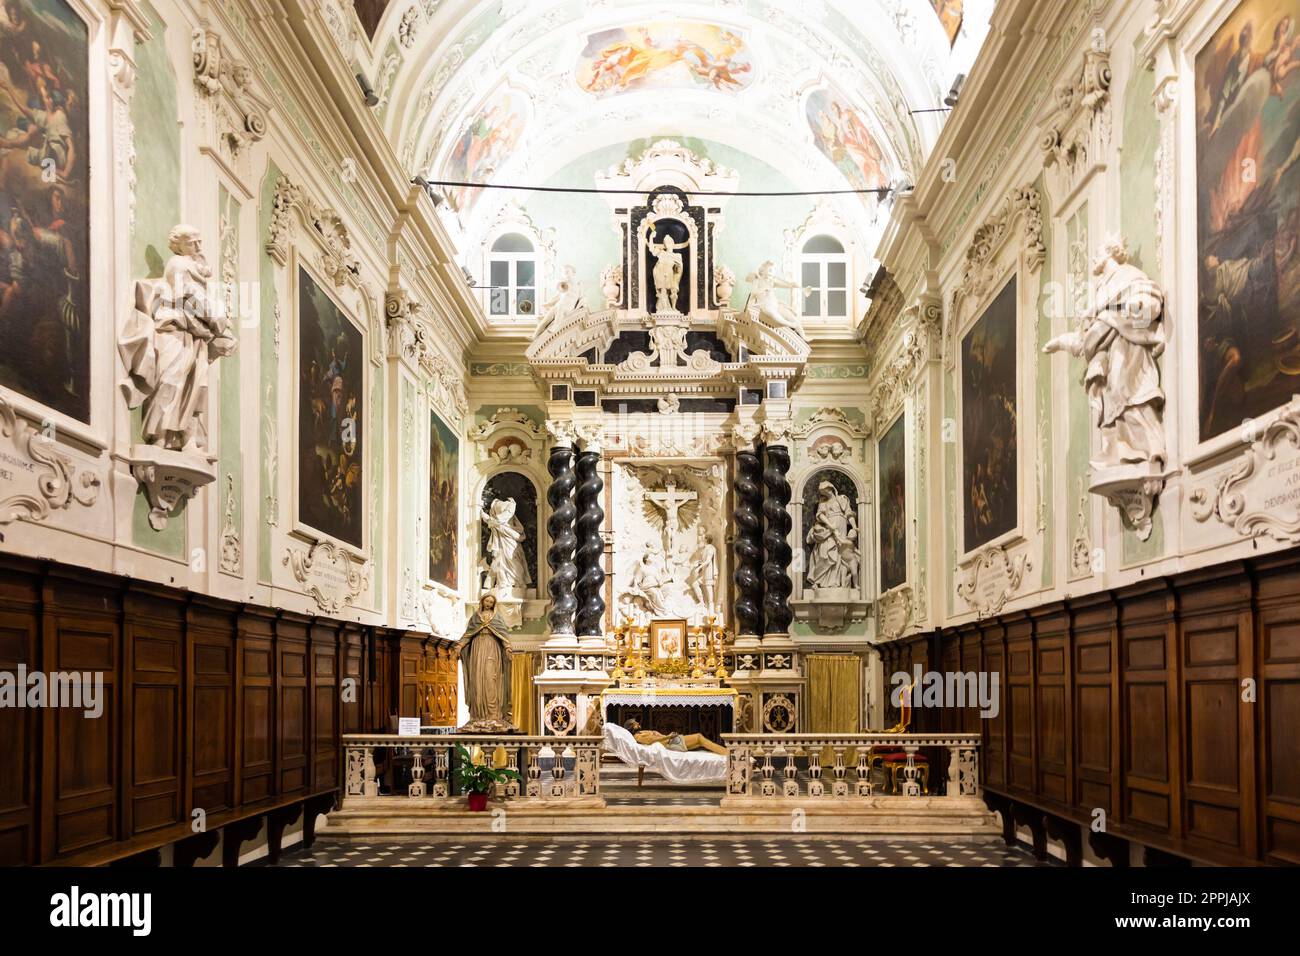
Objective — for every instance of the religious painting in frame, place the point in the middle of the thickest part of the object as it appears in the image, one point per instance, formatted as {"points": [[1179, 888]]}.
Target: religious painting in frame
{"points": [[668, 640], [990, 479], [45, 207], [1248, 215], [677, 54], [444, 502], [331, 416], [892, 464]]}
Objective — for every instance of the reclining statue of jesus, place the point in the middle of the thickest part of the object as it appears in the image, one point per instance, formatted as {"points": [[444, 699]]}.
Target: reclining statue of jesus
{"points": [[679, 742]]}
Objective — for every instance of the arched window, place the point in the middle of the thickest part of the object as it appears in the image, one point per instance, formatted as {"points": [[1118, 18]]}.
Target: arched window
{"points": [[512, 274], [825, 270]]}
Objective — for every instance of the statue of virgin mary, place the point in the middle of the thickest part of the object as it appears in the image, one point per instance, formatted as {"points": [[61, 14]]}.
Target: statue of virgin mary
{"points": [[485, 666]]}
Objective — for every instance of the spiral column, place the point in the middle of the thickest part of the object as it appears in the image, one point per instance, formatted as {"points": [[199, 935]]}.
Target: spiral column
{"points": [[777, 586], [591, 549], [560, 527], [748, 546]]}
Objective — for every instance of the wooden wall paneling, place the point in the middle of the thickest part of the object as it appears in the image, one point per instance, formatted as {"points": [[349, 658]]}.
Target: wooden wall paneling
{"points": [[949, 654], [1095, 706], [293, 707], [256, 739], [1019, 701], [996, 758], [211, 708], [1217, 726], [1149, 708], [81, 631], [153, 709], [326, 705], [968, 642], [1277, 712], [353, 642], [409, 662], [1053, 723], [20, 727]]}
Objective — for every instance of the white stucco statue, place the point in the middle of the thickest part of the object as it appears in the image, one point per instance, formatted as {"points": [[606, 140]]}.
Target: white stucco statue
{"points": [[833, 558], [567, 299], [508, 564], [1120, 338], [703, 577], [174, 335], [668, 270], [763, 304]]}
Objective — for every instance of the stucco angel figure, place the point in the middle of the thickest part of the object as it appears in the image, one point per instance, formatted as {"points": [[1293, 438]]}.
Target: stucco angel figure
{"points": [[668, 270], [763, 303], [508, 565], [1120, 338], [176, 332], [833, 559]]}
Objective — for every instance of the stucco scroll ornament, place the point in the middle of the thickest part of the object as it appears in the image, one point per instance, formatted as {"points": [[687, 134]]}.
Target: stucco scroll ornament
{"points": [[176, 332], [329, 576], [1122, 337], [1266, 461], [58, 483], [992, 580]]}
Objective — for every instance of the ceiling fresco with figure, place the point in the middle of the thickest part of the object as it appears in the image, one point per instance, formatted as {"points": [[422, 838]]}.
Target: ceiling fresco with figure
{"points": [[835, 94]]}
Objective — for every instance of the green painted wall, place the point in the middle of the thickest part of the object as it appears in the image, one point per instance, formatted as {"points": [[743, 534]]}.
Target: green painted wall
{"points": [[269, 387], [157, 210], [230, 448]]}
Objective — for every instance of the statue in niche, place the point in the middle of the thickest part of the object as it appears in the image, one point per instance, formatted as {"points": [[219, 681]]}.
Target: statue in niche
{"points": [[174, 335], [1120, 338], [567, 299], [763, 304], [668, 269], [833, 557], [703, 577], [485, 655], [507, 566]]}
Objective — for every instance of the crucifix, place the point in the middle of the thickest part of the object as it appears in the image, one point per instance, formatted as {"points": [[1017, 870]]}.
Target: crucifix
{"points": [[670, 501]]}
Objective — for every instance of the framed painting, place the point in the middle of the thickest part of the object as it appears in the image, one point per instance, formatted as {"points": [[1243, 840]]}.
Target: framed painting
{"points": [[331, 416], [444, 502], [990, 478], [668, 639], [892, 465], [1248, 215], [45, 205]]}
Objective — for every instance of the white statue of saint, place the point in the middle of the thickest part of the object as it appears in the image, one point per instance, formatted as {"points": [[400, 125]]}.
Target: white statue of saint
{"points": [[667, 271], [703, 578], [508, 566], [763, 303], [833, 559], [173, 336], [567, 299], [647, 580], [1120, 338]]}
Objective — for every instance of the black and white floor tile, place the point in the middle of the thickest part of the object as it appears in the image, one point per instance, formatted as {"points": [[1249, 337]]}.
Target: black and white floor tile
{"points": [[682, 853]]}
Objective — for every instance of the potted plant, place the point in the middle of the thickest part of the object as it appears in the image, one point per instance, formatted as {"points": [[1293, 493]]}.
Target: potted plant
{"points": [[476, 777]]}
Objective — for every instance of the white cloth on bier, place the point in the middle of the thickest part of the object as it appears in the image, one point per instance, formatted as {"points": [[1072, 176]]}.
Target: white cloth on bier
{"points": [[692, 766]]}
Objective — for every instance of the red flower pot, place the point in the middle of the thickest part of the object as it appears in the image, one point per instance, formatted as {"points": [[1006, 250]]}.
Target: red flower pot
{"points": [[478, 801]]}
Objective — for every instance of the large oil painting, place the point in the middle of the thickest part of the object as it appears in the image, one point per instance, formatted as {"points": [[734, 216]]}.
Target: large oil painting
{"points": [[841, 134], [988, 401], [893, 505], [45, 206], [1248, 214], [331, 418], [665, 55], [485, 144], [444, 500]]}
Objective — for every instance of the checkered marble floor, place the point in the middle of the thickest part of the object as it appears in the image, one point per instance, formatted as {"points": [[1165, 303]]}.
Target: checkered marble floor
{"points": [[638, 853]]}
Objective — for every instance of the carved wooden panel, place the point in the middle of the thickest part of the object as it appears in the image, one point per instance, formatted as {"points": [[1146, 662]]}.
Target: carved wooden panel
{"points": [[152, 707]]}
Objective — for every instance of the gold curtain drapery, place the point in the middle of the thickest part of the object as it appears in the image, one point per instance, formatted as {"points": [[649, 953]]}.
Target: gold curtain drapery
{"points": [[523, 665], [834, 693]]}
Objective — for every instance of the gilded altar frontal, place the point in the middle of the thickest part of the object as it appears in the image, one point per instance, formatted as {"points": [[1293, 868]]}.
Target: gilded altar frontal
{"points": [[599, 434]]}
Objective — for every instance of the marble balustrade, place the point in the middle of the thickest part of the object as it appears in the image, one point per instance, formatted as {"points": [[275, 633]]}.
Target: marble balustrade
{"points": [[840, 765], [432, 757]]}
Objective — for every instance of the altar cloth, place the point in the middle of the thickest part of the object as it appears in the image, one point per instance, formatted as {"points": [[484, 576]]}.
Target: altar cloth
{"points": [[692, 766], [671, 696]]}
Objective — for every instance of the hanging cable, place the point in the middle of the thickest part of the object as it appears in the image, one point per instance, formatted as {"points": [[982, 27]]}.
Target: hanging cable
{"points": [[880, 191]]}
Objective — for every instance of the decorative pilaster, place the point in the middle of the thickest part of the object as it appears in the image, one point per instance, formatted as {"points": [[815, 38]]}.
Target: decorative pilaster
{"points": [[748, 544], [591, 549], [560, 527], [776, 519]]}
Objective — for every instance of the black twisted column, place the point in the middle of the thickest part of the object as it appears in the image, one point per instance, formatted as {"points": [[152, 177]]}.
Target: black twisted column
{"points": [[560, 527], [591, 549], [748, 545], [776, 567]]}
